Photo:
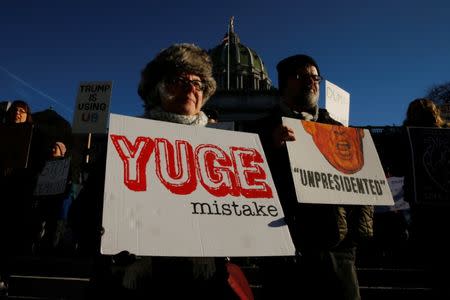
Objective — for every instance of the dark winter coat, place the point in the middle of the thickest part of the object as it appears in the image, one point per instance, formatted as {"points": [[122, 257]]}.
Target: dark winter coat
{"points": [[312, 226]]}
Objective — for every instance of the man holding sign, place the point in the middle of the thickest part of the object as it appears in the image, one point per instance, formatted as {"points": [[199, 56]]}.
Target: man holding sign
{"points": [[324, 234]]}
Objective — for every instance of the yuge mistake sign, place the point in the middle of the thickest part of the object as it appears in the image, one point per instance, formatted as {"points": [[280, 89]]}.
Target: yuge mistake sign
{"points": [[92, 107], [336, 165], [177, 190]]}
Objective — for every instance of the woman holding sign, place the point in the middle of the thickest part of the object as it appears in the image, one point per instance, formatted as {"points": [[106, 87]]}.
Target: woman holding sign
{"points": [[174, 86]]}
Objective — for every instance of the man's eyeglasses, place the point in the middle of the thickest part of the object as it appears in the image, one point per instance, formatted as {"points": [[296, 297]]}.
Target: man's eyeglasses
{"points": [[315, 78], [186, 83]]}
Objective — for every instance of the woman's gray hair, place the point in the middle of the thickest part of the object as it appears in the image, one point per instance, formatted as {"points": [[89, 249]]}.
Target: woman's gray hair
{"points": [[173, 61]]}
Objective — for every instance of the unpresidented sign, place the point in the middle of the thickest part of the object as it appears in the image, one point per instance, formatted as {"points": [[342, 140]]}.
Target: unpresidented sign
{"points": [[336, 165], [53, 178], [337, 102], [92, 107], [178, 190]]}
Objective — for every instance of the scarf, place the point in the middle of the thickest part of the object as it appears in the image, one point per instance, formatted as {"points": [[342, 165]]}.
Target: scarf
{"points": [[159, 114], [202, 267]]}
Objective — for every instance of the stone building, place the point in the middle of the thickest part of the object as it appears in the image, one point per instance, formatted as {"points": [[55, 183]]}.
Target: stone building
{"points": [[244, 89]]}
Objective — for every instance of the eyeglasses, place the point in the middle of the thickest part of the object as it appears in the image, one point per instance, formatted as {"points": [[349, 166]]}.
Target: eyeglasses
{"points": [[186, 83], [315, 78]]}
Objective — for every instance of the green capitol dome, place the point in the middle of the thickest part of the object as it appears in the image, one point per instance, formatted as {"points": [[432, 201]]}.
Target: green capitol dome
{"points": [[236, 66], [244, 89]]}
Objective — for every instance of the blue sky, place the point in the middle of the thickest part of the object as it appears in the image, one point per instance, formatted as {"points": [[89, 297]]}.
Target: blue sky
{"points": [[384, 53]]}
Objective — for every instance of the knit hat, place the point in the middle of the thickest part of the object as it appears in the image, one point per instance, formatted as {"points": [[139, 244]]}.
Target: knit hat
{"points": [[290, 65], [170, 62]]}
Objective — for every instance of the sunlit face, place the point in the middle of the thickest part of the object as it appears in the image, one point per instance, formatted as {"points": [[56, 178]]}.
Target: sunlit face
{"points": [[20, 115], [183, 95], [341, 146], [302, 89]]}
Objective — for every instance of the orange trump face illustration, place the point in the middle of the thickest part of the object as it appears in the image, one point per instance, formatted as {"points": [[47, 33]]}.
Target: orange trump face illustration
{"points": [[341, 146]]}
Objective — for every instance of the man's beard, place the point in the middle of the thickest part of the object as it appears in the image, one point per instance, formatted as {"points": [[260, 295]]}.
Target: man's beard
{"points": [[308, 99]]}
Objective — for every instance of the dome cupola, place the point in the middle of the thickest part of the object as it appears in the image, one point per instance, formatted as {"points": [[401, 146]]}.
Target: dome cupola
{"points": [[236, 66]]}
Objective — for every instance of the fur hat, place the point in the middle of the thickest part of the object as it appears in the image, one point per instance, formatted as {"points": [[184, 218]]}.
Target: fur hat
{"points": [[290, 65], [170, 62]]}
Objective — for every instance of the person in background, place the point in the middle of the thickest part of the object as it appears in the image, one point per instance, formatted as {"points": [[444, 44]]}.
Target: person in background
{"points": [[325, 235], [17, 182], [49, 209], [17, 117], [424, 112], [19, 112], [15, 205], [428, 220]]}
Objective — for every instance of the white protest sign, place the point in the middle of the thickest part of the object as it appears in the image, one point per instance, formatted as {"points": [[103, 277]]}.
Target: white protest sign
{"points": [[336, 165], [92, 107], [53, 178], [337, 102], [396, 186], [178, 190]]}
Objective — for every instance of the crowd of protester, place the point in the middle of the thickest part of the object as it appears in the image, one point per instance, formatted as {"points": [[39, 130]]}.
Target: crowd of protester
{"points": [[174, 86]]}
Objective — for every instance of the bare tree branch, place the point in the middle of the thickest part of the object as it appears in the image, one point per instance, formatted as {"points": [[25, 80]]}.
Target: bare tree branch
{"points": [[440, 93]]}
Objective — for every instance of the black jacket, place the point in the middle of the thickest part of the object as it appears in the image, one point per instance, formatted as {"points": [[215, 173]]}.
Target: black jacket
{"points": [[312, 226]]}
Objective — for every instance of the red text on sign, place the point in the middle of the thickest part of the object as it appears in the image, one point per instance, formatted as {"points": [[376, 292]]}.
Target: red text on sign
{"points": [[180, 167]]}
